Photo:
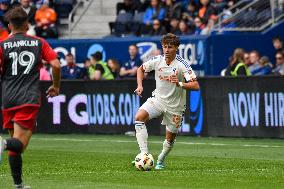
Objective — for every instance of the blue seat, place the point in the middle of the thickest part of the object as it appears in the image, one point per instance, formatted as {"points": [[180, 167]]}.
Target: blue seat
{"points": [[64, 7], [122, 23]]}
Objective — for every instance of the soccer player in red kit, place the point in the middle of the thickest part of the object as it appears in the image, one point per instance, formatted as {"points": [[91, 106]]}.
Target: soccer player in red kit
{"points": [[21, 58]]}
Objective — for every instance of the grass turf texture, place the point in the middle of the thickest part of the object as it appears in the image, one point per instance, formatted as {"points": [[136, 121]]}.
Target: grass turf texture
{"points": [[98, 161]]}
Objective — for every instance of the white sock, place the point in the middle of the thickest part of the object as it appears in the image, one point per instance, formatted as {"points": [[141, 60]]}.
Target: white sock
{"points": [[141, 136], [167, 147]]}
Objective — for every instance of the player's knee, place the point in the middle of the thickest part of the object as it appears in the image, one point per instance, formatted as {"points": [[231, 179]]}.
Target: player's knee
{"points": [[19, 146], [140, 117]]}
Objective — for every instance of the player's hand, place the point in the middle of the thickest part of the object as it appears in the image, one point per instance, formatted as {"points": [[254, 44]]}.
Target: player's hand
{"points": [[174, 78], [139, 91], [52, 91]]}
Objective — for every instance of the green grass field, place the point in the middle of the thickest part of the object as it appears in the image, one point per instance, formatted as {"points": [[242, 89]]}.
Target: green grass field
{"points": [[98, 161]]}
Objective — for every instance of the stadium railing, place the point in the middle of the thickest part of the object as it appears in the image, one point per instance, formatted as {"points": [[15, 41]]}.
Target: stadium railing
{"points": [[71, 23], [250, 16]]}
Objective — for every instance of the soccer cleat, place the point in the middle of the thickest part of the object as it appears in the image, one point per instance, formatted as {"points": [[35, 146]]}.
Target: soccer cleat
{"points": [[160, 166], [21, 186], [133, 162], [1, 148]]}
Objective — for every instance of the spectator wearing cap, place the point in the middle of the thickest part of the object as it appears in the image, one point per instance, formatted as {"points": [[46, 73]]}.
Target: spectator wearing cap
{"points": [[71, 70], [99, 69], [279, 69], [129, 68]]}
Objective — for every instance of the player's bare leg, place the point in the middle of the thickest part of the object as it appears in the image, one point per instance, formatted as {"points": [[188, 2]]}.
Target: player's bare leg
{"points": [[16, 145], [167, 147]]}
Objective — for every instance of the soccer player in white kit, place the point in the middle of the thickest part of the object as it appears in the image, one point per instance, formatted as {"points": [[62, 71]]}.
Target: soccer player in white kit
{"points": [[173, 77]]}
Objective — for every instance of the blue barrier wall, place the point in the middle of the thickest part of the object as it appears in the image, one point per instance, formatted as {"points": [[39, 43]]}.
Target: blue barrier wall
{"points": [[207, 54]]}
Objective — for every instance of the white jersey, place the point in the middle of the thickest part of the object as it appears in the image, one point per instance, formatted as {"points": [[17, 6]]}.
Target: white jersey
{"points": [[173, 97]]}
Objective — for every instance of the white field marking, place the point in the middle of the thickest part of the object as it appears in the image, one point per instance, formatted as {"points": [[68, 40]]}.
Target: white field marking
{"points": [[106, 172], [158, 142]]}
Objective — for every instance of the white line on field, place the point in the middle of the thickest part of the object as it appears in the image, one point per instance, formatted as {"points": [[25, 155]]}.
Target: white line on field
{"points": [[158, 142]]}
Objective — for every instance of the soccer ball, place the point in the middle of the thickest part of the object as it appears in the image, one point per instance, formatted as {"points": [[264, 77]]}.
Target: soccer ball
{"points": [[144, 162]]}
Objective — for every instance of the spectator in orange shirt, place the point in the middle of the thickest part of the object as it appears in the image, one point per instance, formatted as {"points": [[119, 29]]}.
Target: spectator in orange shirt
{"points": [[206, 10], [3, 33], [45, 22]]}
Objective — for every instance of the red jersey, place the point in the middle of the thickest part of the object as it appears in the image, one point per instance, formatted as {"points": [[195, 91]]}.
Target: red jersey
{"points": [[21, 58]]}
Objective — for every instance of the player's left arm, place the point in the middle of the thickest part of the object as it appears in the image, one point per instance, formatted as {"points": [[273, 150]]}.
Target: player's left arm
{"points": [[191, 85], [189, 80]]}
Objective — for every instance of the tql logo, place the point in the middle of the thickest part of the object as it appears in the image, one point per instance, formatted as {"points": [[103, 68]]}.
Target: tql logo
{"points": [[196, 111]]}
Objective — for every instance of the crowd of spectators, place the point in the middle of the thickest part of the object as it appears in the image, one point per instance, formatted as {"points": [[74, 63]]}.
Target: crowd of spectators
{"points": [[95, 68], [43, 18], [156, 17], [241, 63], [252, 63]]}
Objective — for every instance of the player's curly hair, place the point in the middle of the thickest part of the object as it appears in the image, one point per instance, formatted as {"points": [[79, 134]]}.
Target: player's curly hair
{"points": [[171, 39], [17, 17]]}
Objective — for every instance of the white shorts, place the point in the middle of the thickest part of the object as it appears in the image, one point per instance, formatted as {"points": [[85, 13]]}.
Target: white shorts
{"points": [[156, 108]]}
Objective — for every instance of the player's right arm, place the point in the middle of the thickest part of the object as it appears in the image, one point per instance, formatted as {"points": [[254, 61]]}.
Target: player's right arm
{"points": [[145, 67], [49, 55], [56, 75], [140, 76]]}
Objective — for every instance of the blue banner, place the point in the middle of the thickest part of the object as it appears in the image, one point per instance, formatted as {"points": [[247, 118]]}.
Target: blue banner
{"points": [[194, 50]]}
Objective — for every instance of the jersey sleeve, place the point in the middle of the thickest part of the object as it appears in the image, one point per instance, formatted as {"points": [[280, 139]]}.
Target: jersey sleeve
{"points": [[151, 64], [48, 53], [188, 74]]}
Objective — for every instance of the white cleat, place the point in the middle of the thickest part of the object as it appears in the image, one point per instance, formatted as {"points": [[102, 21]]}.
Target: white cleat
{"points": [[21, 186]]}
